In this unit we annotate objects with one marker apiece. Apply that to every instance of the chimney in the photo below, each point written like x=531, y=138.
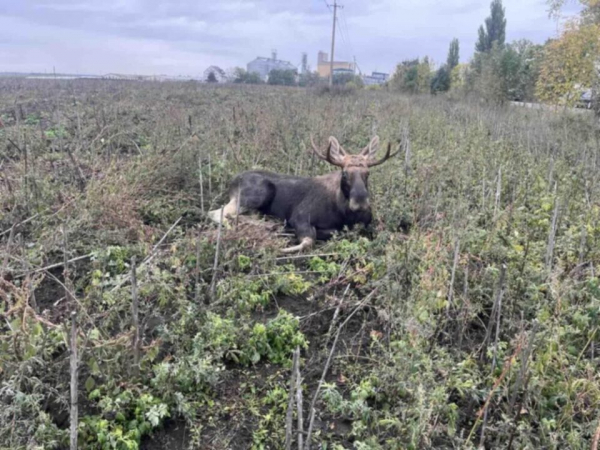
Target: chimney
x=273, y=54
x=323, y=57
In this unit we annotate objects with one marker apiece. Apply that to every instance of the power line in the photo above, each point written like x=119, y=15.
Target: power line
x=345, y=23
x=342, y=33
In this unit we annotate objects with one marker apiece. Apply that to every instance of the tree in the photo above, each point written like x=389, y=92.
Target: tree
x=489, y=80
x=590, y=12
x=309, y=79
x=441, y=80
x=412, y=76
x=282, y=77
x=453, y=55
x=495, y=29
x=458, y=78
x=587, y=29
x=529, y=57
x=399, y=77
x=568, y=66
x=241, y=76
x=345, y=79
x=424, y=76
x=211, y=78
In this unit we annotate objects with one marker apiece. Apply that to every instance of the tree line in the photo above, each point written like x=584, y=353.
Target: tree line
x=290, y=77
x=558, y=72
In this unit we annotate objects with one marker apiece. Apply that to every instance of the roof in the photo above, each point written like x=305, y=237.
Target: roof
x=276, y=61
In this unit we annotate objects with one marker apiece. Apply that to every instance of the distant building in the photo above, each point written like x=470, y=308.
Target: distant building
x=263, y=66
x=324, y=65
x=343, y=71
x=120, y=76
x=304, y=64
x=375, y=78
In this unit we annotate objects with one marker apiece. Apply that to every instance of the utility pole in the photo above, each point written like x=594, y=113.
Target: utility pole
x=335, y=7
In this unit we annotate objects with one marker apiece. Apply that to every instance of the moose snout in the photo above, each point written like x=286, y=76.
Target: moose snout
x=359, y=201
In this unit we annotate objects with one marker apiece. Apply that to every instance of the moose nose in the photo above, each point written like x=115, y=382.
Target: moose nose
x=359, y=201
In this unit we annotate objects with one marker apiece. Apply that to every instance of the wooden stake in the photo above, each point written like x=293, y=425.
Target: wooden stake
x=291, y=397
x=299, y=405
x=74, y=371
x=8, y=247
x=552, y=236
x=136, y=320
x=452, y=277
x=201, y=181
x=213, y=283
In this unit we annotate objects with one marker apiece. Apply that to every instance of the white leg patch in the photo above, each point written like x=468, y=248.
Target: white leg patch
x=215, y=215
x=306, y=243
x=229, y=211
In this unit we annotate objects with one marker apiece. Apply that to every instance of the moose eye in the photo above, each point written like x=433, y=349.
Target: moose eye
x=344, y=175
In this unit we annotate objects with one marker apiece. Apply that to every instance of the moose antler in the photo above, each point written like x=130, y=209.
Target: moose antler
x=387, y=156
x=371, y=147
x=336, y=160
x=316, y=149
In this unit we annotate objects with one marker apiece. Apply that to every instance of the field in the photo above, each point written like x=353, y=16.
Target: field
x=467, y=316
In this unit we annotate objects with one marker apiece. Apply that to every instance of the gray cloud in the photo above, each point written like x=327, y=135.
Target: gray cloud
x=186, y=36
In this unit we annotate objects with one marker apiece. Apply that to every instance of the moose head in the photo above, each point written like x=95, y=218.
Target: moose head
x=354, y=181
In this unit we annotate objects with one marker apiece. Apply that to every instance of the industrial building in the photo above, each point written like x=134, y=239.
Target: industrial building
x=324, y=65
x=263, y=66
x=375, y=78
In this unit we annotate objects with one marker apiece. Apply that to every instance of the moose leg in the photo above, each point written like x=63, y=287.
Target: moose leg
x=230, y=210
x=306, y=235
x=324, y=235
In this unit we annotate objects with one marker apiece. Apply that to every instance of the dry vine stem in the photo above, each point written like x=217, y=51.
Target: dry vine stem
x=507, y=365
x=60, y=264
x=326, y=368
x=151, y=255
x=498, y=309
x=596, y=437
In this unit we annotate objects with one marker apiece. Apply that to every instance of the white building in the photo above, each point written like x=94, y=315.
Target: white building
x=263, y=66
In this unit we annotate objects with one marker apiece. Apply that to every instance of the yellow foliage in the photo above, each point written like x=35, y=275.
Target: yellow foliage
x=458, y=77
x=568, y=65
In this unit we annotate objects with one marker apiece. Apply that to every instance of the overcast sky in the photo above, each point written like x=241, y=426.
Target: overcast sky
x=186, y=36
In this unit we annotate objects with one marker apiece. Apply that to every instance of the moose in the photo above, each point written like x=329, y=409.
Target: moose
x=315, y=207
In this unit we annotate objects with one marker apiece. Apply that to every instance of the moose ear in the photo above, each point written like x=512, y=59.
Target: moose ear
x=370, y=150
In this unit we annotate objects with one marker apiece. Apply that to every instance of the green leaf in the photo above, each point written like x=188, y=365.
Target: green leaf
x=93, y=365
x=90, y=383
x=95, y=394
x=15, y=324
